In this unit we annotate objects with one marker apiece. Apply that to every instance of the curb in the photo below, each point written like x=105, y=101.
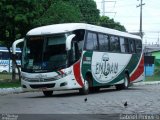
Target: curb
x=146, y=83
x=4, y=91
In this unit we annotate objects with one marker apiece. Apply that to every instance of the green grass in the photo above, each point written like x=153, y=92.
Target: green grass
x=9, y=84
x=6, y=82
x=152, y=78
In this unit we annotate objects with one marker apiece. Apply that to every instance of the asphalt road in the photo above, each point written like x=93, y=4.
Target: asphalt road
x=143, y=99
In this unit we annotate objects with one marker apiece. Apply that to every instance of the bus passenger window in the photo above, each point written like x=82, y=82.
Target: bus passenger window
x=114, y=44
x=103, y=42
x=124, y=45
x=91, y=42
x=138, y=46
x=132, y=45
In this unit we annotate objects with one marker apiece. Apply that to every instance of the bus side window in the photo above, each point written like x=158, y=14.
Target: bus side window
x=132, y=46
x=138, y=46
x=91, y=41
x=114, y=44
x=124, y=45
x=103, y=42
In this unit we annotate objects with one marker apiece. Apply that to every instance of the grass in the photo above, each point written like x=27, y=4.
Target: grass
x=152, y=78
x=6, y=82
x=9, y=84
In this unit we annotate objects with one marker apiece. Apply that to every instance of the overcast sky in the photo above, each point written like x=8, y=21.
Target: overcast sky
x=126, y=12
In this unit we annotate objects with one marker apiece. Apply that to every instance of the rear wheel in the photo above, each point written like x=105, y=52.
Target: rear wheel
x=124, y=85
x=48, y=93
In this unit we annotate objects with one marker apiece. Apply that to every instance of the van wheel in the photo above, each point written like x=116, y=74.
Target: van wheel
x=48, y=93
x=124, y=85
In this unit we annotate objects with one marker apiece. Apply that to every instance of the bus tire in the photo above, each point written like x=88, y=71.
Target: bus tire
x=124, y=85
x=4, y=71
x=85, y=89
x=48, y=93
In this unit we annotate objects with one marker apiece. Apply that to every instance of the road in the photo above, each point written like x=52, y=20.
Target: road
x=143, y=99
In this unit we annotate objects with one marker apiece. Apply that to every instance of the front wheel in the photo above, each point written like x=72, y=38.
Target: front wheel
x=124, y=85
x=48, y=93
x=85, y=89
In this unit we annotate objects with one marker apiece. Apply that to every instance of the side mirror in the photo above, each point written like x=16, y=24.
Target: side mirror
x=15, y=44
x=69, y=41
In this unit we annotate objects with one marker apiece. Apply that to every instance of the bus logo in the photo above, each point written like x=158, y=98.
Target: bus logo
x=106, y=67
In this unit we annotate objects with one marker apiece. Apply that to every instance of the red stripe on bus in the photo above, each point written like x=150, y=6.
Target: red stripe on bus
x=138, y=72
x=77, y=73
x=61, y=71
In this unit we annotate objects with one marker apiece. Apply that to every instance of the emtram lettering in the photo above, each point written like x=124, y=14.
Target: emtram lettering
x=106, y=68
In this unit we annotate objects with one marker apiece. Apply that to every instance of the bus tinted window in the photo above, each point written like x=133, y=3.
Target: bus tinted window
x=91, y=43
x=138, y=46
x=114, y=44
x=124, y=45
x=132, y=45
x=103, y=42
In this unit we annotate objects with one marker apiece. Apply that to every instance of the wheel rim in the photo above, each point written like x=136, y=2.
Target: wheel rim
x=126, y=82
x=86, y=85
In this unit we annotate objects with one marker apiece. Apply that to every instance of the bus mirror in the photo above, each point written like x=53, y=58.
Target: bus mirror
x=15, y=44
x=68, y=41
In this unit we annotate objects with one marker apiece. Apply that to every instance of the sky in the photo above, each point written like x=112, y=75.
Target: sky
x=128, y=14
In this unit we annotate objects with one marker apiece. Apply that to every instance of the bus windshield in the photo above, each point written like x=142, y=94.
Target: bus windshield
x=44, y=53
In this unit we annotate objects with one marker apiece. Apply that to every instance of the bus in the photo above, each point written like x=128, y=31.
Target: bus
x=80, y=56
x=5, y=59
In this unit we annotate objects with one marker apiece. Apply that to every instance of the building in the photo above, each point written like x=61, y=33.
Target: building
x=152, y=60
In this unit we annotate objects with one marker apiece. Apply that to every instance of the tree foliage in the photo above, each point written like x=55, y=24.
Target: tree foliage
x=110, y=23
x=59, y=12
x=17, y=17
x=88, y=10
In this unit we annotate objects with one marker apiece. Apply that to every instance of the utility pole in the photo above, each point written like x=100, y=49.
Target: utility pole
x=140, y=29
x=103, y=7
x=158, y=39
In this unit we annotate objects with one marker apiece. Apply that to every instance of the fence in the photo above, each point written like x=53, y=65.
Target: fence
x=156, y=73
x=7, y=76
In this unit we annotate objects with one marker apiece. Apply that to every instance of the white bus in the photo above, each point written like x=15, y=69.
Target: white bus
x=5, y=59
x=80, y=56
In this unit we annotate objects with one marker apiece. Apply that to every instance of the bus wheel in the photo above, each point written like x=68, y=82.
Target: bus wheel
x=124, y=85
x=85, y=89
x=4, y=71
x=48, y=93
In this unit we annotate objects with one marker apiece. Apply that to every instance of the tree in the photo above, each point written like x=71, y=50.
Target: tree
x=88, y=10
x=16, y=18
x=19, y=16
x=59, y=12
x=110, y=23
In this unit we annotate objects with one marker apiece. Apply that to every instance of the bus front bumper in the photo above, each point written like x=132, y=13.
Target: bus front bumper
x=62, y=84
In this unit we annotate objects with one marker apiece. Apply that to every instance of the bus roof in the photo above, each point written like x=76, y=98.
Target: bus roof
x=68, y=27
